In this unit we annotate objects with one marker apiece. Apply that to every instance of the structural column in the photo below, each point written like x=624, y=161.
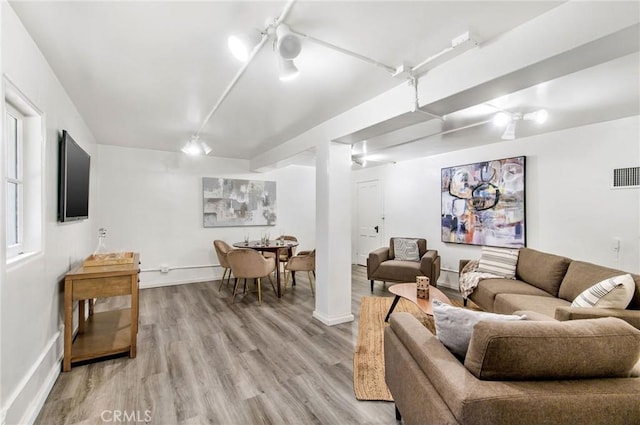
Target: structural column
x=333, y=233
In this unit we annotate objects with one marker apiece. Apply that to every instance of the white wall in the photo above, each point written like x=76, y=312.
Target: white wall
x=31, y=291
x=151, y=202
x=571, y=209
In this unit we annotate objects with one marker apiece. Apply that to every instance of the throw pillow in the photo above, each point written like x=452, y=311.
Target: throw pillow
x=614, y=292
x=498, y=261
x=454, y=325
x=406, y=249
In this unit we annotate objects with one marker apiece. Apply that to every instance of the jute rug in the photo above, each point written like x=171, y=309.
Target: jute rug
x=368, y=358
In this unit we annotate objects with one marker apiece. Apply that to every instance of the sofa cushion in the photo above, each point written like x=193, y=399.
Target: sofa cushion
x=498, y=261
x=614, y=292
x=576, y=313
x=530, y=350
x=582, y=275
x=405, y=249
x=487, y=290
x=454, y=325
x=508, y=303
x=542, y=270
x=398, y=271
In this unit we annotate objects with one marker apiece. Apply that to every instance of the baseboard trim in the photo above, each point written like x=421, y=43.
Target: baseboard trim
x=333, y=320
x=447, y=285
x=148, y=285
x=31, y=412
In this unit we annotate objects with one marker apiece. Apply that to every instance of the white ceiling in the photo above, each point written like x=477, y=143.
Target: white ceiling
x=145, y=74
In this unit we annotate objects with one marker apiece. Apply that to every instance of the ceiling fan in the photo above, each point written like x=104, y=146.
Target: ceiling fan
x=510, y=119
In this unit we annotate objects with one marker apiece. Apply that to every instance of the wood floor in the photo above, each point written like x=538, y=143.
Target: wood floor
x=202, y=360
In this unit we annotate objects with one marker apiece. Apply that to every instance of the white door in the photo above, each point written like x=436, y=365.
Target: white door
x=370, y=219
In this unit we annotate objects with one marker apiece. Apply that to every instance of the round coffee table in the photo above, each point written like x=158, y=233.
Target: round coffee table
x=408, y=291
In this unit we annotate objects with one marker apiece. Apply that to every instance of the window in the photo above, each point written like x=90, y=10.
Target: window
x=14, y=142
x=23, y=161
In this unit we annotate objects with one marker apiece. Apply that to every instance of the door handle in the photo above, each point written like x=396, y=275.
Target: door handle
x=376, y=229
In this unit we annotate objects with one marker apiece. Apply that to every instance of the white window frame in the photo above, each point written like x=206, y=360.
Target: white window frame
x=32, y=163
x=18, y=248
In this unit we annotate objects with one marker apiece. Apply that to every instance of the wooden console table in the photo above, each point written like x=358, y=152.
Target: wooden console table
x=106, y=333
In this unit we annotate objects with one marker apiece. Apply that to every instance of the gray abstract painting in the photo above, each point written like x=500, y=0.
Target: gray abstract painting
x=234, y=202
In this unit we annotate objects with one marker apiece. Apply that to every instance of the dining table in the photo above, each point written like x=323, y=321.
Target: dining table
x=271, y=246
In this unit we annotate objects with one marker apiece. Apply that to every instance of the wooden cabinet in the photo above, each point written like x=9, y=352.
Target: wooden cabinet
x=105, y=333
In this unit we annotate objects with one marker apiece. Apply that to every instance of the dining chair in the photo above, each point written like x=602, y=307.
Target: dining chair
x=250, y=264
x=284, y=252
x=222, y=249
x=304, y=262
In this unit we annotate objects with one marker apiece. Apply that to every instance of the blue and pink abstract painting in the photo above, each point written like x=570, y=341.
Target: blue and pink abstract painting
x=484, y=203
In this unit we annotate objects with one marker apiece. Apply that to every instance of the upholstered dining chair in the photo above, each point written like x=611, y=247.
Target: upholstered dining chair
x=306, y=262
x=250, y=264
x=222, y=249
x=284, y=252
x=402, y=261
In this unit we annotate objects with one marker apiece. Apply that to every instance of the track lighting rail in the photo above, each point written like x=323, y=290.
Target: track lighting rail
x=459, y=44
x=342, y=50
x=241, y=71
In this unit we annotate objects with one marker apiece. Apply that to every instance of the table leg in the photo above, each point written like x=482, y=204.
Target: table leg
x=68, y=323
x=278, y=272
x=393, y=306
x=81, y=317
x=134, y=317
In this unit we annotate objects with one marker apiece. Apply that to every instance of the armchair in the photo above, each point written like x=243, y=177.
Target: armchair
x=383, y=265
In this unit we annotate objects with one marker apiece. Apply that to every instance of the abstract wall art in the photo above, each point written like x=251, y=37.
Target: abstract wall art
x=484, y=203
x=234, y=202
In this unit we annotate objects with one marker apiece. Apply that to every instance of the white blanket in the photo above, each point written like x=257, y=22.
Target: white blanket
x=469, y=278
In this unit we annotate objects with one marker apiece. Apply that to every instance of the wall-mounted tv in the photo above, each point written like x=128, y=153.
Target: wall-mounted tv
x=73, y=180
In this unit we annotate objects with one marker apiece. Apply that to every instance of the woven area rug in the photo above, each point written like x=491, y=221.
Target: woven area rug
x=368, y=358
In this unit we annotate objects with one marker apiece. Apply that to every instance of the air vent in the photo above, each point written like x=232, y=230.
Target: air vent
x=626, y=177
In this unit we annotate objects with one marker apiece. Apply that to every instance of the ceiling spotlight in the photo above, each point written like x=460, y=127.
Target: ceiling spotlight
x=501, y=119
x=540, y=116
x=242, y=45
x=196, y=147
x=510, y=131
x=288, y=44
x=288, y=70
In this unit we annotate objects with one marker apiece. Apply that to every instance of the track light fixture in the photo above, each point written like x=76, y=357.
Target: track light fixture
x=196, y=147
x=241, y=45
x=540, y=116
x=288, y=70
x=509, y=119
x=288, y=44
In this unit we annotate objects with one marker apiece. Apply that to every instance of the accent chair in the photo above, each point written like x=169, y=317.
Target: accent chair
x=402, y=261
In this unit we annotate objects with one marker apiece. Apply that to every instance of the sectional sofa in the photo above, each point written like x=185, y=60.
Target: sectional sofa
x=547, y=284
x=516, y=373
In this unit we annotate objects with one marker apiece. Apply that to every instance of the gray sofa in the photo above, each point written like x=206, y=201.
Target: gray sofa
x=517, y=372
x=547, y=284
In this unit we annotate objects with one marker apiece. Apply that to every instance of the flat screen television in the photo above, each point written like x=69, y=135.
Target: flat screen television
x=73, y=183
